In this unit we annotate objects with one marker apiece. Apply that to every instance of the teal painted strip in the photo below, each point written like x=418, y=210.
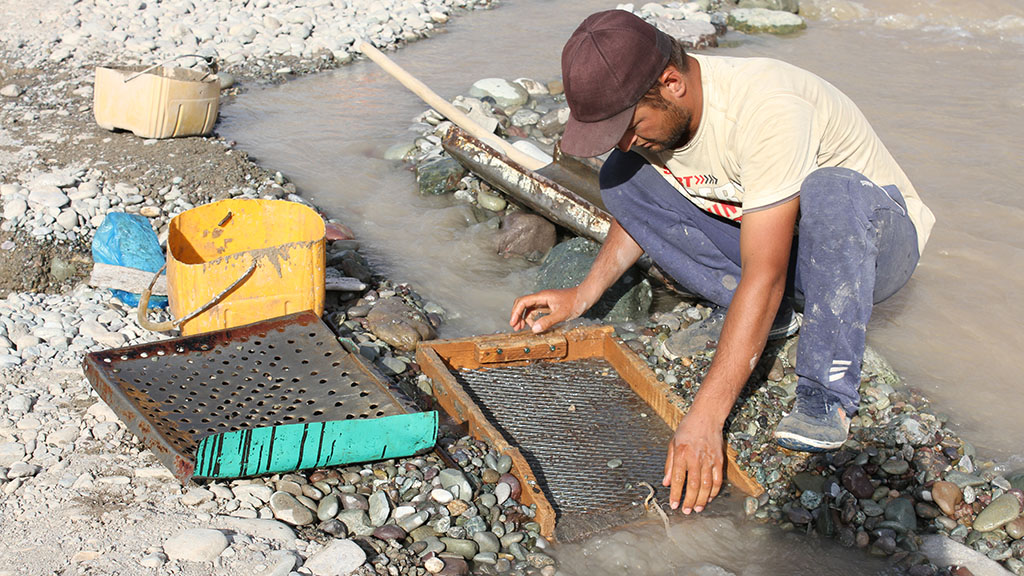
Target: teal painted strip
x=300, y=446
x=258, y=458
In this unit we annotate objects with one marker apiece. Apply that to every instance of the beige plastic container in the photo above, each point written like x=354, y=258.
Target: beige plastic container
x=161, y=103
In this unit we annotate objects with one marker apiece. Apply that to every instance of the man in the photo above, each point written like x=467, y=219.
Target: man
x=739, y=177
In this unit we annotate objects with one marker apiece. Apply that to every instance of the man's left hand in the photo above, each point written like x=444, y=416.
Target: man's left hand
x=694, y=463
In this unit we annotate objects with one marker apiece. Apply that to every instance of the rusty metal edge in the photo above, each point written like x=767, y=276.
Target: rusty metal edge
x=179, y=464
x=550, y=199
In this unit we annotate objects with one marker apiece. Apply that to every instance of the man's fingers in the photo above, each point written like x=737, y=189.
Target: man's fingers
x=678, y=477
x=524, y=308
x=694, y=465
x=716, y=478
x=544, y=322
x=667, y=480
x=520, y=308
x=706, y=485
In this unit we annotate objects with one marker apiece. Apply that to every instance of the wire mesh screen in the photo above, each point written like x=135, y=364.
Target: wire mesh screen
x=588, y=437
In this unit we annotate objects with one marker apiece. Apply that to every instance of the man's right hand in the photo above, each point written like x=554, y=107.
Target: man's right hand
x=544, y=309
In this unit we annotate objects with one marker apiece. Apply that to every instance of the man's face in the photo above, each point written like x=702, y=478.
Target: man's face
x=657, y=127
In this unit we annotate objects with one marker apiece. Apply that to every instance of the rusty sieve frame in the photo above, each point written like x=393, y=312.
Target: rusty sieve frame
x=563, y=405
x=287, y=370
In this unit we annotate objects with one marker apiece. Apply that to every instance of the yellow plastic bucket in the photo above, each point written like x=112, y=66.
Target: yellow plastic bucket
x=252, y=259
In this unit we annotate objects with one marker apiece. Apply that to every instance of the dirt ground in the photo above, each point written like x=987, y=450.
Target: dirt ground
x=51, y=125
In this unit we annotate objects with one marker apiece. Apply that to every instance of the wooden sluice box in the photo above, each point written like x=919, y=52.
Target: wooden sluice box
x=584, y=419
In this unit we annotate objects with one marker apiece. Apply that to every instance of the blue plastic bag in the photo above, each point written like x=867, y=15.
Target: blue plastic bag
x=128, y=240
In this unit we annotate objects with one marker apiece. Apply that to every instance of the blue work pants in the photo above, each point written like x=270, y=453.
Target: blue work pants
x=856, y=246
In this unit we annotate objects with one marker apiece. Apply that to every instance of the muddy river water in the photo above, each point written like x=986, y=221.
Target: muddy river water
x=942, y=82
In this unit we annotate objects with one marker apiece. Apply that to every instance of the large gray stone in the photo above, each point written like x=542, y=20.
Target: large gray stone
x=784, y=5
x=380, y=508
x=691, y=33
x=439, y=176
x=50, y=196
x=11, y=452
x=455, y=482
x=338, y=558
x=506, y=95
x=399, y=324
x=901, y=510
x=287, y=509
x=262, y=528
x=629, y=299
x=356, y=521
x=943, y=551
x=999, y=512
x=759, y=20
x=528, y=235
x=196, y=545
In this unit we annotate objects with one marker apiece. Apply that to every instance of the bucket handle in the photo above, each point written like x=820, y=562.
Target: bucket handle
x=142, y=313
x=211, y=65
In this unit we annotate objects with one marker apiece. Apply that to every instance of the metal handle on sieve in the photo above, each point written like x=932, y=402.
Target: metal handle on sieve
x=142, y=313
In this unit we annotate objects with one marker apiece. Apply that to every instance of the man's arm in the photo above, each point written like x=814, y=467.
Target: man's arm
x=618, y=253
x=695, y=455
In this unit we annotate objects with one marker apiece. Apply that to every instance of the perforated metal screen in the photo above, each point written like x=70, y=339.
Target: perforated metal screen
x=285, y=371
x=570, y=420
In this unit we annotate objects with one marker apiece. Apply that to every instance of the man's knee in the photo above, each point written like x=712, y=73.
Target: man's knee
x=823, y=182
x=825, y=195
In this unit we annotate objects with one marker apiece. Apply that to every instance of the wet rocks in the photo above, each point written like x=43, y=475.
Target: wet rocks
x=760, y=20
x=900, y=475
x=856, y=480
x=439, y=176
x=505, y=94
x=527, y=235
x=998, y=513
x=566, y=265
x=785, y=5
x=399, y=324
x=948, y=496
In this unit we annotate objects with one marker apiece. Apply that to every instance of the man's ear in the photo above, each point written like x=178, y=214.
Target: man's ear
x=673, y=82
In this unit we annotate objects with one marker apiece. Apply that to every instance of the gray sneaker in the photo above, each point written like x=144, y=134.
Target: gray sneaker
x=817, y=423
x=786, y=325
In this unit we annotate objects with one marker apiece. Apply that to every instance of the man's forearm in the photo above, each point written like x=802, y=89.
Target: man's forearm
x=743, y=338
x=617, y=254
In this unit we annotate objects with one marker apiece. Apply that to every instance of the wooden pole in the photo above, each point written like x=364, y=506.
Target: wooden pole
x=446, y=109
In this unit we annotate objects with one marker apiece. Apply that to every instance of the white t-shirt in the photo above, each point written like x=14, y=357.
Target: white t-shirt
x=766, y=125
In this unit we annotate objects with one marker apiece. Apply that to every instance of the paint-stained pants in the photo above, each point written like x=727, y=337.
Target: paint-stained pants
x=856, y=246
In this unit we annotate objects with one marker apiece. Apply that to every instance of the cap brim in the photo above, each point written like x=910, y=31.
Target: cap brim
x=588, y=139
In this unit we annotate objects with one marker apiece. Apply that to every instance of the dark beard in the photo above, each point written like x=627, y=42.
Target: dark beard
x=680, y=121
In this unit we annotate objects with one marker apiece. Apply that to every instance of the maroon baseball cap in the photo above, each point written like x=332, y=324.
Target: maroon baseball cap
x=608, y=64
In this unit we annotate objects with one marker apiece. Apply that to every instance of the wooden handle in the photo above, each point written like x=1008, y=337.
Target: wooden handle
x=521, y=346
x=446, y=109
